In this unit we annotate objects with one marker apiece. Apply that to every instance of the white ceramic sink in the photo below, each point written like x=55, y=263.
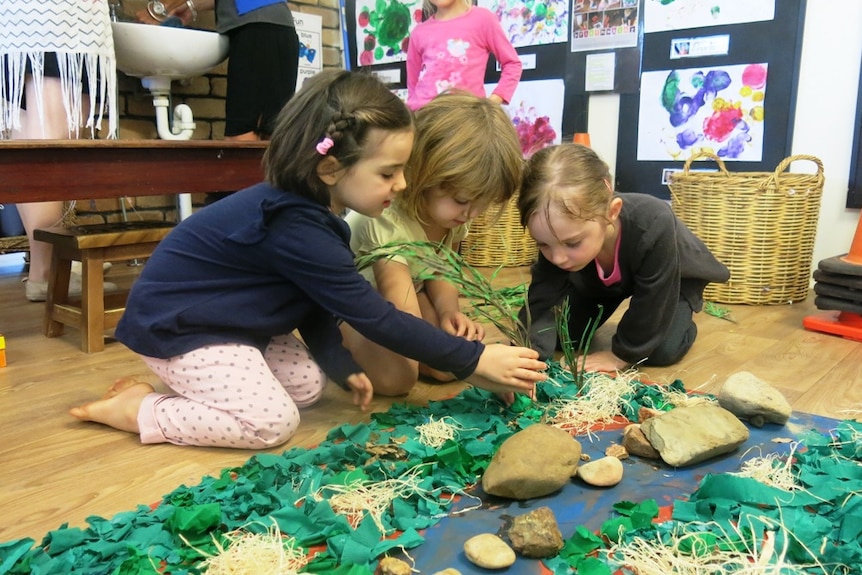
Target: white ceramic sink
x=150, y=51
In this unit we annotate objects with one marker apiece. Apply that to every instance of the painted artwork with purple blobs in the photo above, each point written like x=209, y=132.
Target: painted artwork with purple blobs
x=383, y=28
x=718, y=110
x=531, y=22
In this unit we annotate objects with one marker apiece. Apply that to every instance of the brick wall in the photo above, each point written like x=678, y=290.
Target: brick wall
x=205, y=95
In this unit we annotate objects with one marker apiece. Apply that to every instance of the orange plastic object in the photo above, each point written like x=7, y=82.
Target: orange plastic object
x=2, y=351
x=843, y=323
x=855, y=255
x=582, y=138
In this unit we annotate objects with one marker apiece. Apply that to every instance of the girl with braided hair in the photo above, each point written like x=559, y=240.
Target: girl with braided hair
x=215, y=311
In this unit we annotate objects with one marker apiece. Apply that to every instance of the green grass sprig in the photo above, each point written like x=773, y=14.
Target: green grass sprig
x=573, y=355
x=717, y=311
x=438, y=262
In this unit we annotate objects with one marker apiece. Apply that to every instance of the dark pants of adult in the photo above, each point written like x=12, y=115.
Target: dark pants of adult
x=261, y=77
x=263, y=62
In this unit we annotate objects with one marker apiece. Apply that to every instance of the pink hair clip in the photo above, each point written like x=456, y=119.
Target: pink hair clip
x=324, y=145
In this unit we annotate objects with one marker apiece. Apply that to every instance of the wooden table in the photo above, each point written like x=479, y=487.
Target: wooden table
x=43, y=170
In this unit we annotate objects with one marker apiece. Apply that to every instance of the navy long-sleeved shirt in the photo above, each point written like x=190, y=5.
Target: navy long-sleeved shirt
x=263, y=262
x=660, y=260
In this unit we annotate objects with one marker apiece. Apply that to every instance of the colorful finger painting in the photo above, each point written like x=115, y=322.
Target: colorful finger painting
x=720, y=110
x=531, y=22
x=661, y=15
x=383, y=28
x=536, y=110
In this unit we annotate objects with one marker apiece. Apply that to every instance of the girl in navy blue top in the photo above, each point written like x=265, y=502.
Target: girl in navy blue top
x=216, y=306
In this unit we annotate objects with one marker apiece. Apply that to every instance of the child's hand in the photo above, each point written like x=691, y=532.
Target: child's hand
x=506, y=369
x=604, y=361
x=363, y=391
x=456, y=323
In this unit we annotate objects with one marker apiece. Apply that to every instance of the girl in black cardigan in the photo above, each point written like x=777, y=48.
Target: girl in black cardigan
x=598, y=249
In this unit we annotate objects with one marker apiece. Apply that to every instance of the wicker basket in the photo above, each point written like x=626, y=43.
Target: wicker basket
x=761, y=225
x=497, y=239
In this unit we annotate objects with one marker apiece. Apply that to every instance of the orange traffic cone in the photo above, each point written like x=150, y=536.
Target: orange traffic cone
x=582, y=138
x=855, y=254
x=839, y=289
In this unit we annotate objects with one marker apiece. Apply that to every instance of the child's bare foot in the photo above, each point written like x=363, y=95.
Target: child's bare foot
x=121, y=384
x=118, y=409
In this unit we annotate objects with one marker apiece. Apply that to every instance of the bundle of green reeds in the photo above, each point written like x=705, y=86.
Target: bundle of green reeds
x=438, y=262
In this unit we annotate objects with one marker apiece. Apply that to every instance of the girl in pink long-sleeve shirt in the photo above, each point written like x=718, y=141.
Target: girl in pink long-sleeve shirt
x=450, y=50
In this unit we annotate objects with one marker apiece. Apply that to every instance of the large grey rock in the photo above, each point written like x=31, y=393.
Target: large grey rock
x=691, y=434
x=749, y=397
x=534, y=462
x=536, y=534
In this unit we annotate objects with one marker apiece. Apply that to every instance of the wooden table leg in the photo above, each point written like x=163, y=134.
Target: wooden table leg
x=92, y=301
x=58, y=291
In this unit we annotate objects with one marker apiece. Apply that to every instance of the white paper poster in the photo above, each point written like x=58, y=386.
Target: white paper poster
x=309, y=28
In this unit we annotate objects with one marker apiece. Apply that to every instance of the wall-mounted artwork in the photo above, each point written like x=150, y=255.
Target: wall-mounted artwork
x=601, y=24
x=718, y=109
x=530, y=22
x=309, y=28
x=382, y=29
x=662, y=15
x=536, y=110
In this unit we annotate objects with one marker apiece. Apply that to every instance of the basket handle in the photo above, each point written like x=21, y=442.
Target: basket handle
x=704, y=154
x=785, y=163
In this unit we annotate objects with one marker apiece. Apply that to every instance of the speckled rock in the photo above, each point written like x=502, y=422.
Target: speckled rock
x=534, y=462
x=536, y=534
x=489, y=551
x=393, y=566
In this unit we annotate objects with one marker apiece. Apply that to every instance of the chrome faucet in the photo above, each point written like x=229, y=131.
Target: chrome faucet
x=118, y=11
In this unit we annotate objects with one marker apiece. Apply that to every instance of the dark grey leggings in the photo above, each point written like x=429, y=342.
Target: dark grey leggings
x=678, y=340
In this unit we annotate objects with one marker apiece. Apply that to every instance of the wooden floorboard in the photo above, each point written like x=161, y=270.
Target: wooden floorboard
x=57, y=470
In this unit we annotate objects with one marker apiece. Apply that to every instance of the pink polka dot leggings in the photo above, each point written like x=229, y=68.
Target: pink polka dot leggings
x=232, y=395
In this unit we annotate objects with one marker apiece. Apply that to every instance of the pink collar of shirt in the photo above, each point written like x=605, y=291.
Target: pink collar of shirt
x=615, y=275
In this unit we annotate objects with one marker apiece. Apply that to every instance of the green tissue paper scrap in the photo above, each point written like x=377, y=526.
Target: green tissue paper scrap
x=290, y=490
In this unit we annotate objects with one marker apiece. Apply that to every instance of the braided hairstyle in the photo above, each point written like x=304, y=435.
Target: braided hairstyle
x=331, y=115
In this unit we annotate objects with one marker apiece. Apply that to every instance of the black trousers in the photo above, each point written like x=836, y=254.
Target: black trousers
x=678, y=340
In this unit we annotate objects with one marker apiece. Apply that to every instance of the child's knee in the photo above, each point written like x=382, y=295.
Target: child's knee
x=396, y=382
x=271, y=426
x=312, y=390
x=309, y=395
x=671, y=352
x=269, y=433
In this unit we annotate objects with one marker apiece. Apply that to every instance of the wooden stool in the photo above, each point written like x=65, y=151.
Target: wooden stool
x=92, y=245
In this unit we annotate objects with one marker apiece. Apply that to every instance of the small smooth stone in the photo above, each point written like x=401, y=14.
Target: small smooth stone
x=489, y=551
x=603, y=472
